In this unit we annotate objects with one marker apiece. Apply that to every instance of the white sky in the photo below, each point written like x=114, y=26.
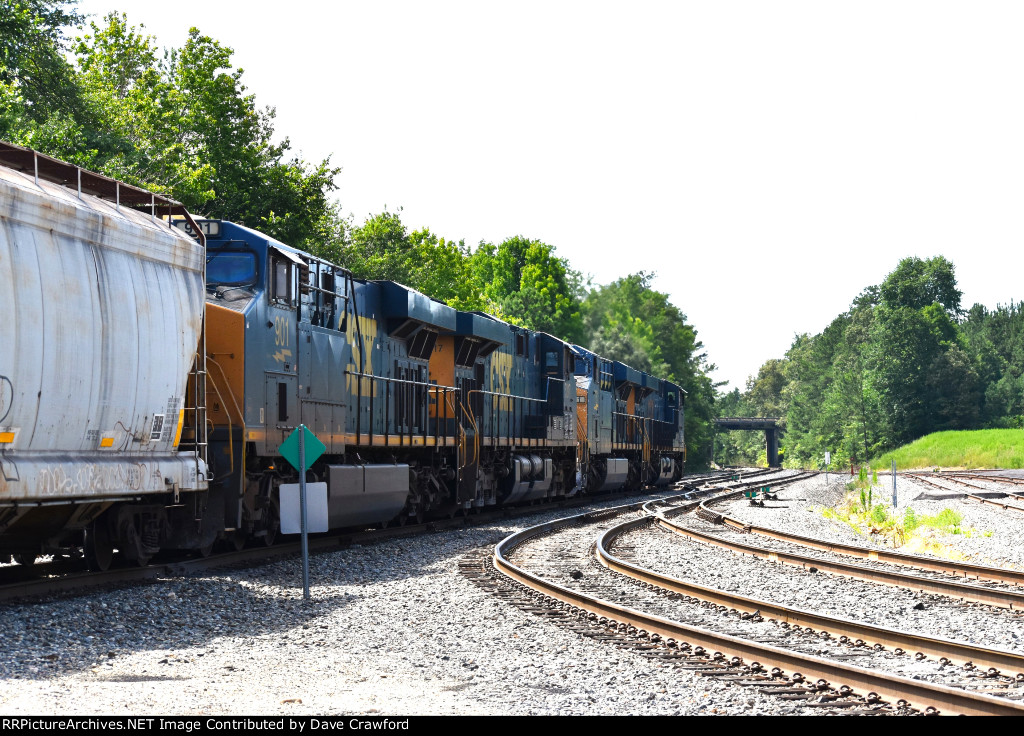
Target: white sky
x=768, y=160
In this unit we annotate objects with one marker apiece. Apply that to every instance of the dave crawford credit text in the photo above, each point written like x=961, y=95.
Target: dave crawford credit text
x=188, y=725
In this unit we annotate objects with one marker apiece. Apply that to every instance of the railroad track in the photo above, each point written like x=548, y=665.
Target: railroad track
x=1001, y=597
x=842, y=629
x=65, y=577
x=587, y=603
x=972, y=496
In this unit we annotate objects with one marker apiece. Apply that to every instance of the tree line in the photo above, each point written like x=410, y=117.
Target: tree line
x=179, y=121
x=905, y=360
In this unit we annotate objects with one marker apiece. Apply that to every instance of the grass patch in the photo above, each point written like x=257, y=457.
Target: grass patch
x=918, y=533
x=980, y=448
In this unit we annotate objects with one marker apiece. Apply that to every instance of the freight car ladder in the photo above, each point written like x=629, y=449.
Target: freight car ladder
x=195, y=392
x=196, y=438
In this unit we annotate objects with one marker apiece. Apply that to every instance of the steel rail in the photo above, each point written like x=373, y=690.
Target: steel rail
x=971, y=496
x=954, y=651
x=994, y=502
x=976, y=593
x=929, y=482
x=918, y=694
x=949, y=567
x=982, y=476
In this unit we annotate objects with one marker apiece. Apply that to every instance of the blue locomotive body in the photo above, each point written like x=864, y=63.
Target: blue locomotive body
x=423, y=409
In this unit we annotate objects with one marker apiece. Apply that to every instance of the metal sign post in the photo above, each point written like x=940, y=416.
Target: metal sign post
x=894, y=484
x=302, y=512
x=293, y=450
x=828, y=461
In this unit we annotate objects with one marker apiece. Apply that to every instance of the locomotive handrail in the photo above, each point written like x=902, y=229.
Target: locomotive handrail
x=508, y=424
x=430, y=387
x=476, y=432
x=438, y=386
x=460, y=430
x=504, y=396
x=231, y=433
x=547, y=386
x=640, y=420
x=234, y=399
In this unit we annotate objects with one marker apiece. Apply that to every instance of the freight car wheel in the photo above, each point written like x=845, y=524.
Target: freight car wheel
x=98, y=547
x=24, y=558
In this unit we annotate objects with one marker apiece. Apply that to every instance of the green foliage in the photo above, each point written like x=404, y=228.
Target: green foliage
x=879, y=514
x=528, y=283
x=39, y=94
x=899, y=364
x=910, y=520
x=947, y=520
x=918, y=284
x=180, y=123
x=867, y=518
x=383, y=248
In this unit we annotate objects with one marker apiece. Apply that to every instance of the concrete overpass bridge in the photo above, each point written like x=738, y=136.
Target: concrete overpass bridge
x=772, y=426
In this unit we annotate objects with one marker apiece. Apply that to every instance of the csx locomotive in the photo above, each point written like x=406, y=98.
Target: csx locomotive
x=151, y=365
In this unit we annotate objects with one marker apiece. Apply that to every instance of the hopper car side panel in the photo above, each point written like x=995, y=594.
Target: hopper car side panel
x=94, y=358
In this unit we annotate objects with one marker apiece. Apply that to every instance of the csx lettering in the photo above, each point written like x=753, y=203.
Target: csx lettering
x=362, y=334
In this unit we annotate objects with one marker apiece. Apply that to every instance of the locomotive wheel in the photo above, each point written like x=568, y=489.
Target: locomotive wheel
x=206, y=551
x=98, y=547
x=273, y=525
x=24, y=558
x=236, y=540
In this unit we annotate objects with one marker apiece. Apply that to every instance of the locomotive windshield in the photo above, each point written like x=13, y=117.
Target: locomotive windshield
x=234, y=268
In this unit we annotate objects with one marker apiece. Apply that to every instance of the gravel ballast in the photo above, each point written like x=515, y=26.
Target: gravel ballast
x=393, y=628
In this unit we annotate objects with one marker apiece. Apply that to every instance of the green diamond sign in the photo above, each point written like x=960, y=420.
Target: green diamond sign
x=290, y=447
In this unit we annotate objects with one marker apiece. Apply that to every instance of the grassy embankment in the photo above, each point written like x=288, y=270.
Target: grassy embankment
x=980, y=448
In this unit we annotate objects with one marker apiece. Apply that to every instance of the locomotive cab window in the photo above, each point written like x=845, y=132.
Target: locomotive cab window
x=281, y=275
x=230, y=268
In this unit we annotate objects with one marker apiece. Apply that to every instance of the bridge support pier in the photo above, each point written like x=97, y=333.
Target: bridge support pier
x=771, y=437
